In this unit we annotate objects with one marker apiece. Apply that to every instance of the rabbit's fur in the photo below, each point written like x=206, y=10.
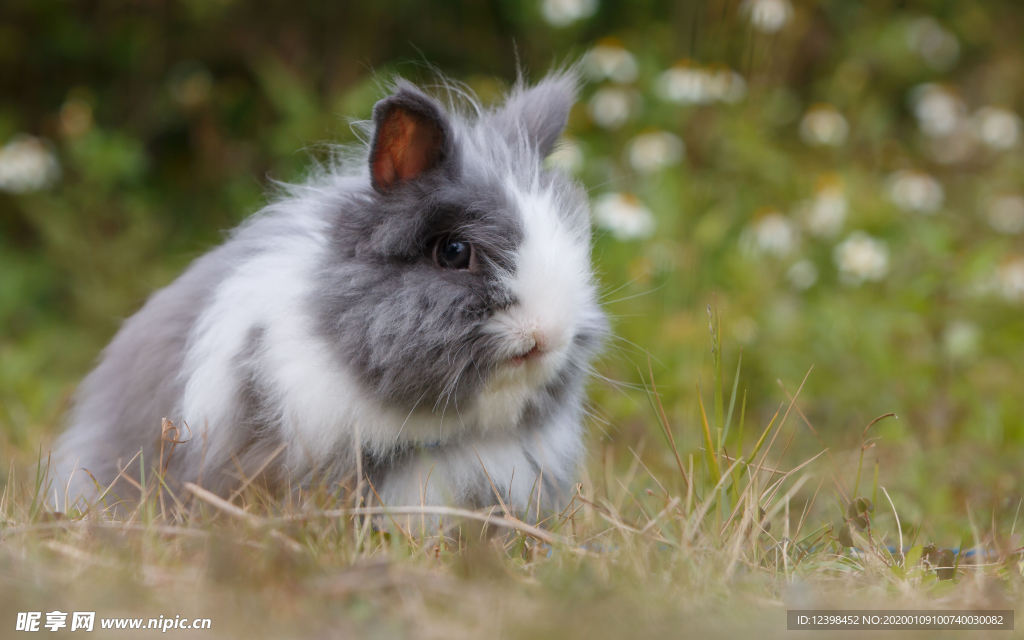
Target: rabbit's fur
x=325, y=331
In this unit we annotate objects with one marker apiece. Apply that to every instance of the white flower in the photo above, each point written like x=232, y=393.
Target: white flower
x=27, y=164
x=942, y=116
x=1006, y=214
x=915, y=191
x=684, y=84
x=611, y=107
x=771, y=233
x=937, y=46
x=624, y=215
x=960, y=339
x=650, y=152
x=768, y=16
x=823, y=125
x=562, y=13
x=937, y=109
x=826, y=214
x=997, y=128
x=802, y=275
x=861, y=258
x=610, y=61
x=1010, y=280
x=567, y=156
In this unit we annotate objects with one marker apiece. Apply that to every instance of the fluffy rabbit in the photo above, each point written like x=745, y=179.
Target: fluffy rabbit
x=429, y=309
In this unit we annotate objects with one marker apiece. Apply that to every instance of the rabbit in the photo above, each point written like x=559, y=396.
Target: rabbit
x=421, y=313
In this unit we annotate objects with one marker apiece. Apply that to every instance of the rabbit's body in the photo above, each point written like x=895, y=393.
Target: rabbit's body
x=431, y=317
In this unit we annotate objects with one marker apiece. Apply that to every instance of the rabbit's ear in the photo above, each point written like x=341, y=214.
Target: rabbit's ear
x=541, y=111
x=411, y=137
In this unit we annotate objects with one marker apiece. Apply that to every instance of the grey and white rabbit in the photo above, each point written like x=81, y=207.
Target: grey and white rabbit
x=401, y=314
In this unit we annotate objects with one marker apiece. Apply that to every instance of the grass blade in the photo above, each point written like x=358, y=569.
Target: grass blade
x=732, y=397
x=659, y=413
x=709, y=447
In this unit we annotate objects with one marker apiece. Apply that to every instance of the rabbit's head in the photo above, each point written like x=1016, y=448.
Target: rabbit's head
x=460, y=277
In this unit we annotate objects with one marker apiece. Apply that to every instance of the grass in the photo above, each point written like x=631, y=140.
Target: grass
x=716, y=542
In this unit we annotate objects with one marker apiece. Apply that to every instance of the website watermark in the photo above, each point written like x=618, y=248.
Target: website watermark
x=899, y=620
x=86, y=621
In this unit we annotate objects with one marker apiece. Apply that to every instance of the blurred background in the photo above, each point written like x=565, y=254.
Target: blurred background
x=842, y=181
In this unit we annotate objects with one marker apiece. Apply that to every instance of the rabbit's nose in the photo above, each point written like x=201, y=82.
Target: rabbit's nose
x=535, y=348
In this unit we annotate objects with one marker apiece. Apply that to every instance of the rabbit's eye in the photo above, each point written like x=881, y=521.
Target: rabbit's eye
x=453, y=254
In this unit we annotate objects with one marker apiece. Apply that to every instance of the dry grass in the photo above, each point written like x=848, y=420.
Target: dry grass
x=717, y=543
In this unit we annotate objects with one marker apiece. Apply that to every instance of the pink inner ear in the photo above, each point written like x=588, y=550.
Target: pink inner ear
x=407, y=145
